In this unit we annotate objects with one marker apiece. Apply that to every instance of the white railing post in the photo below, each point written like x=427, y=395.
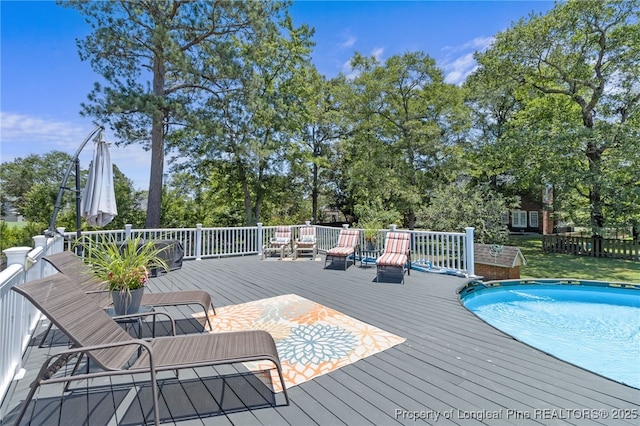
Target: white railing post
x=127, y=231
x=40, y=244
x=17, y=255
x=260, y=239
x=393, y=227
x=469, y=255
x=14, y=327
x=59, y=242
x=198, y=241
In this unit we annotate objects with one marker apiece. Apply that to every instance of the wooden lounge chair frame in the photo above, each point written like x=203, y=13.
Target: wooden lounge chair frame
x=74, y=267
x=94, y=334
x=306, y=242
x=280, y=243
x=348, y=242
x=396, y=255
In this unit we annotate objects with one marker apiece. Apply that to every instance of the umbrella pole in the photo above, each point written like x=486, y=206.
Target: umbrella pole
x=75, y=161
x=78, y=197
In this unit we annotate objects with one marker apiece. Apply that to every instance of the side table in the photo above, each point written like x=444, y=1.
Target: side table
x=133, y=319
x=368, y=257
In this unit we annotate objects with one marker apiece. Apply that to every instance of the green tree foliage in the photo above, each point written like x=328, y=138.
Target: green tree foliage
x=568, y=110
x=18, y=177
x=319, y=130
x=158, y=58
x=14, y=236
x=32, y=184
x=246, y=129
x=405, y=123
x=455, y=207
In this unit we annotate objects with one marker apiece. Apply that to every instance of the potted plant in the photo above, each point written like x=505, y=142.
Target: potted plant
x=124, y=267
x=371, y=229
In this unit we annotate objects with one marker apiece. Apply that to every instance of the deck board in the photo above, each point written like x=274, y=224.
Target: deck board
x=451, y=363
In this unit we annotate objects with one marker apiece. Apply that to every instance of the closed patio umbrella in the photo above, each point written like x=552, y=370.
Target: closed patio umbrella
x=98, y=205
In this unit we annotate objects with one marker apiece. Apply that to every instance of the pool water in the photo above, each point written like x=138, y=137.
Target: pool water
x=594, y=327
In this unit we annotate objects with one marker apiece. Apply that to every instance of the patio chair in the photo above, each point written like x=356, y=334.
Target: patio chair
x=396, y=255
x=74, y=267
x=306, y=242
x=279, y=243
x=96, y=335
x=347, y=244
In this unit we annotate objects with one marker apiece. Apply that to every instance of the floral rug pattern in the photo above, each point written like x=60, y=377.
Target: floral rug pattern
x=311, y=339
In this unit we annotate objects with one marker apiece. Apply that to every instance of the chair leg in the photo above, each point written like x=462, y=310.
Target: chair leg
x=155, y=398
x=27, y=400
x=46, y=333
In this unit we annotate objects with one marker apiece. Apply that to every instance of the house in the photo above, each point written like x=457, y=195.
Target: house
x=527, y=218
x=496, y=262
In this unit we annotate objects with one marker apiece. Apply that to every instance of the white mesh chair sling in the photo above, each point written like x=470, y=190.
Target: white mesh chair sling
x=93, y=333
x=279, y=243
x=347, y=243
x=306, y=242
x=397, y=254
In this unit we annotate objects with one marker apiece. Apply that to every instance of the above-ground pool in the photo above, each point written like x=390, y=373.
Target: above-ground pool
x=591, y=324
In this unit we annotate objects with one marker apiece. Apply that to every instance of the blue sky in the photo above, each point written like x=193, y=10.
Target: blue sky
x=43, y=81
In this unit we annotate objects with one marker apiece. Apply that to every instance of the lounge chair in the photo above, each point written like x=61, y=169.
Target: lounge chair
x=94, y=334
x=306, y=242
x=396, y=254
x=279, y=243
x=347, y=243
x=74, y=267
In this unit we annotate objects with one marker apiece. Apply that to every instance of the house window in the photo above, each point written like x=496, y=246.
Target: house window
x=519, y=219
x=533, y=219
x=505, y=218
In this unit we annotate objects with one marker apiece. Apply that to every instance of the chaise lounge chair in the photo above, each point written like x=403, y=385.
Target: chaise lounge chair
x=280, y=243
x=74, y=267
x=396, y=254
x=94, y=334
x=347, y=243
x=306, y=242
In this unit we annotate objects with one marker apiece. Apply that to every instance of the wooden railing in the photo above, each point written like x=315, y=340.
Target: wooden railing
x=591, y=246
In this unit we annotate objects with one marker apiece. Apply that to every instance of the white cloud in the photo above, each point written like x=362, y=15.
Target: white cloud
x=377, y=53
x=20, y=128
x=459, y=61
x=458, y=70
x=349, y=40
x=22, y=135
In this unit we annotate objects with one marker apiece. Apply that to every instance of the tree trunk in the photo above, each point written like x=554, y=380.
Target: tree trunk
x=314, y=196
x=154, y=202
x=596, y=204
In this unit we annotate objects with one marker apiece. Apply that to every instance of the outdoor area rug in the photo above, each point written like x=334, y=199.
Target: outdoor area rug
x=312, y=339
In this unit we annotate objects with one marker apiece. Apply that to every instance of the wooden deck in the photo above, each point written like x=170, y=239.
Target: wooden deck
x=453, y=368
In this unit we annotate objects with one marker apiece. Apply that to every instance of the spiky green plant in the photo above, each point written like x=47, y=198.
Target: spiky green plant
x=123, y=266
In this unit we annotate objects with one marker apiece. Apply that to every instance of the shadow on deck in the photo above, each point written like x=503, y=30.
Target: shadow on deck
x=452, y=369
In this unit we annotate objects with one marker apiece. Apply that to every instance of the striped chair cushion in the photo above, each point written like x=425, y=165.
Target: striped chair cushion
x=392, y=259
x=307, y=236
x=396, y=248
x=282, y=236
x=341, y=251
x=347, y=243
x=348, y=238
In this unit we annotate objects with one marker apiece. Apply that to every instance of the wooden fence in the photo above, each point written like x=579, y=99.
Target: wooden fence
x=592, y=246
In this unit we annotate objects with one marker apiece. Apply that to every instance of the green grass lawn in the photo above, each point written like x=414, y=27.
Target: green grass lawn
x=554, y=265
x=16, y=224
